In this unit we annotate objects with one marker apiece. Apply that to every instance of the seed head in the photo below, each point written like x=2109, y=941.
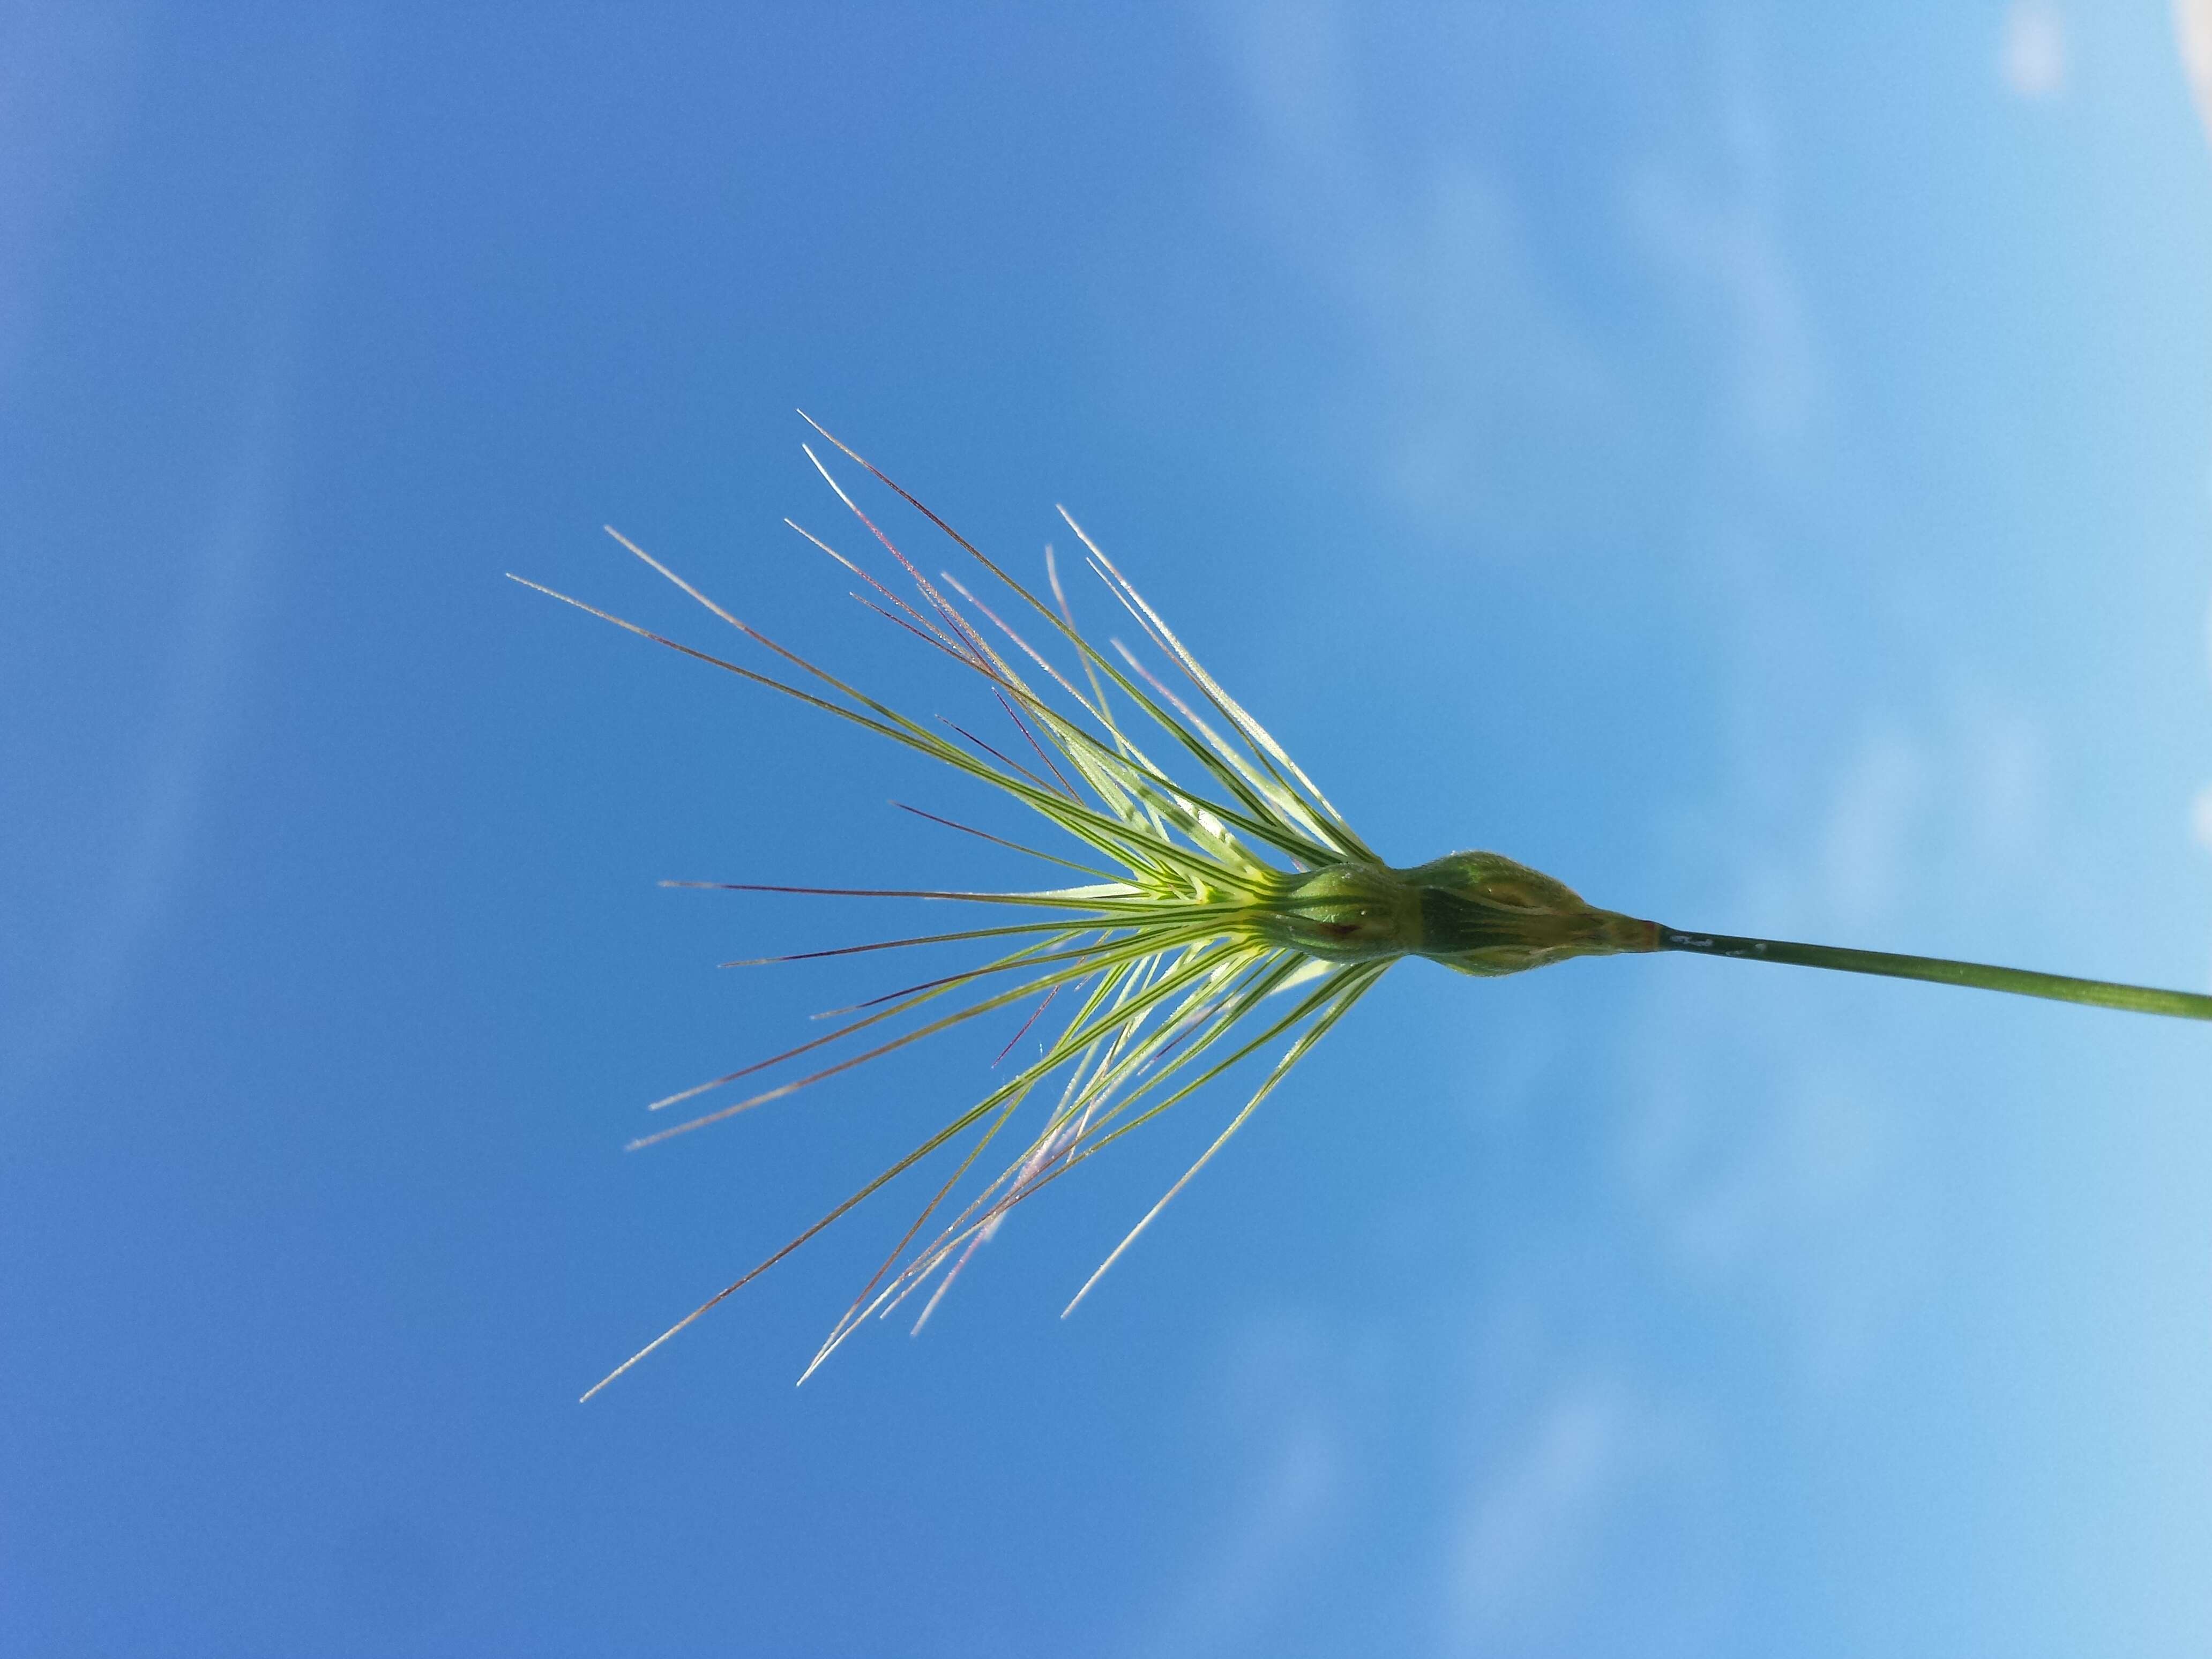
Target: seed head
x=1480, y=913
x=1227, y=913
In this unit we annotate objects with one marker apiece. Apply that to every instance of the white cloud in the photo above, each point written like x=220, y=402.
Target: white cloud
x=84, y=962
x=65, y=76
x=1488, y=370
x=2000, y=777
x=77, y=964
x=1773, y=1166
x=2200, y=818
x=1591, y=1522
x=1723, y=244
x=1774, y=1156
x=2031, y=54
x=1475, y=368
x=1240, y=1587
x=1864, y=845
x=1526, y=1537
x=1278, y=1395
x=1289, y=57
x=2192, y=28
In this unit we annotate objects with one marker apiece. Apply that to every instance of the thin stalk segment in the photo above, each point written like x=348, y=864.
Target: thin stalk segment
x=2019, y=982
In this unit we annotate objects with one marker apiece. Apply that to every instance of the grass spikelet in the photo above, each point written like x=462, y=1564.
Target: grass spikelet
x=1225, y=912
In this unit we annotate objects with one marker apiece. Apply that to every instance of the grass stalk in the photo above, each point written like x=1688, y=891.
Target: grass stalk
x=1942, y=970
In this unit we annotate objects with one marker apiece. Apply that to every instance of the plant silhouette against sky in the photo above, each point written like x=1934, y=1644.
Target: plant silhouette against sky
x=1196, y=925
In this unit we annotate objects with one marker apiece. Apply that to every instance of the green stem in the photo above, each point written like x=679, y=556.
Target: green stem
x=2060, y=988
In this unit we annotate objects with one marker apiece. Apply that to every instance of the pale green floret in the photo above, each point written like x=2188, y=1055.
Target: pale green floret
x=1220, y=920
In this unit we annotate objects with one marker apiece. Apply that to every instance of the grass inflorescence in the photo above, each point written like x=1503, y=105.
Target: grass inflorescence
x=1224, y=911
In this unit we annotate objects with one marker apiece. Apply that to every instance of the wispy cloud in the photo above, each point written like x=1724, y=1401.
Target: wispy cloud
x=1864, y=844
x=2200, y=818
x=65, y=76
x=1475, y=367
x=1776, y=1173
x=80, y=973
x=1586, y=1524
x=1709, y=217
x=2031, y=54
x=1524, y=1541
x=67, y=972
x=1481, y=360
x=2192, y=28
x=1720, y=247
x=1278, y=1390
x=1776, y=1159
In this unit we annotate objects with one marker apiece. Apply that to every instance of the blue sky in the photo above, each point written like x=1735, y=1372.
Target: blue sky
x=1753, y=464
